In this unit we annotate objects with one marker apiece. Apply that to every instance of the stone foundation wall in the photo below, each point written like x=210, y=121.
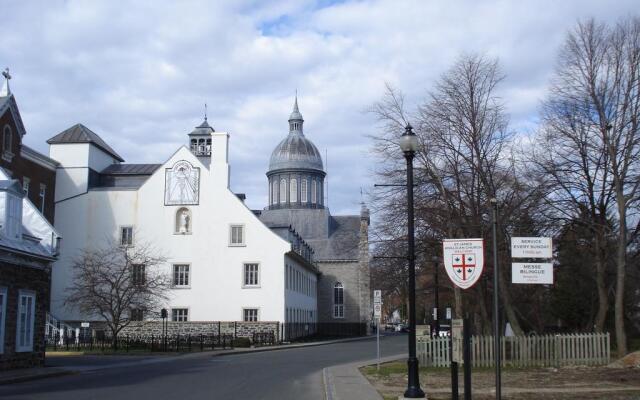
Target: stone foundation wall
x=15, y=278
x=235, y=328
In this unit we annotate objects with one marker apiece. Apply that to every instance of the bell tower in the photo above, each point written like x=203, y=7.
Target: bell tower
x=200, y=138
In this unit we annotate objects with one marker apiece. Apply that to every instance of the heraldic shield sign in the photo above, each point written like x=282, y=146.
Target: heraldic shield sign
x=463, y=260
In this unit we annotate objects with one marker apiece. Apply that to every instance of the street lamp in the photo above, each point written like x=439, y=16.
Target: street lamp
x=409, y=145
x=436, y=314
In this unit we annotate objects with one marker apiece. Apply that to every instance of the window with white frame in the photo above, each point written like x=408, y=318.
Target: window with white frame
x=313, y=192
x=250, y=314
x=181, y=275
x=126, y=235
x=43, y=192
x=236, y=235
x=319, y=183
x=25, y=185
x=303, y=190
x=293, y=190
x=283, y=190
x=3, y=313
x=251, y=274
x=138, y=274
x=26, y=317
x=338, y=300
x=179, y=314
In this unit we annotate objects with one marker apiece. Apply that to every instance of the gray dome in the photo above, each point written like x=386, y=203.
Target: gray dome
x=295, y=152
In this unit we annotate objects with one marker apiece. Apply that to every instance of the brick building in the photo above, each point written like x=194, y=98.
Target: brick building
x=36, y=172
x=28, y=241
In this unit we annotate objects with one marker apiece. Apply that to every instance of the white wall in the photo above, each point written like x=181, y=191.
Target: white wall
x=300, y=295
x=216, y=272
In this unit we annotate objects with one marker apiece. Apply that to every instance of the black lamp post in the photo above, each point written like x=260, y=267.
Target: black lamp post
x=436, y=314
x=409, y=145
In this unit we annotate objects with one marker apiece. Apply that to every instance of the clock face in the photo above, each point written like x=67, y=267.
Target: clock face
x=182, y=183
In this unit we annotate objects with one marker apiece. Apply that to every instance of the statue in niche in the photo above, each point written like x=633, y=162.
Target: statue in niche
x=184, y=221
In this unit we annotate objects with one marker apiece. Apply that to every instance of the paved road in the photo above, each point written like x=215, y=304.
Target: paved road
x=285, y=374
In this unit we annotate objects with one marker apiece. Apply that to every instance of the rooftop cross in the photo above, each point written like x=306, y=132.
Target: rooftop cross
x=5, y=91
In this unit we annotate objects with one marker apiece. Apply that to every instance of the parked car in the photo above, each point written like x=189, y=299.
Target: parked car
x=401, y=328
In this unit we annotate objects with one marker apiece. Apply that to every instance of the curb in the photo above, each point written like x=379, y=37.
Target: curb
x=26, y=378
x=290, y=346
x=351, y=372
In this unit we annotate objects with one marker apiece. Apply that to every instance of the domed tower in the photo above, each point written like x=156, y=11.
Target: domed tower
x=296, y=175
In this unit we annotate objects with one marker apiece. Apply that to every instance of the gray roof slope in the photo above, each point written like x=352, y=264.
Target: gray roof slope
x=81, y=134
x=122, y=176
x=29, y=243
x=343, y=242
x=130, y=169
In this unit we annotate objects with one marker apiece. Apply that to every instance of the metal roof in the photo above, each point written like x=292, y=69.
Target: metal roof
x=295, y=152
x=130, y=169
x=81, y=134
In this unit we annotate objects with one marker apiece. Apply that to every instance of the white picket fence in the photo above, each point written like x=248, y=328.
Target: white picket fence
x=523, y=351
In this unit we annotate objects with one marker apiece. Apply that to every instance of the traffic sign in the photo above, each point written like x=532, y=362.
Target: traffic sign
x=377, y=310
x=463, y=260
x=377, y=296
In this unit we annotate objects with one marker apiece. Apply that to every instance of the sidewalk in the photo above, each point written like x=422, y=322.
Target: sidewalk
x=27, y=374
x=342, y=382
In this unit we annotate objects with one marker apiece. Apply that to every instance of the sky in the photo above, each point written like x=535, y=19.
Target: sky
x=138, y=73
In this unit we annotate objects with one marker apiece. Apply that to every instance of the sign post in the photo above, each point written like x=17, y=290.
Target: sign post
x=531, y=247
x=463, y=260
x=454, y=357
x=532, y=272
x=377, y=314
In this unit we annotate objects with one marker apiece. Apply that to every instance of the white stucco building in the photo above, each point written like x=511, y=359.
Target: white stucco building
x=225, y=264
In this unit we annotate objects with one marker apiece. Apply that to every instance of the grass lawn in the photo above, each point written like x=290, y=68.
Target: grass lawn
x=567, y=383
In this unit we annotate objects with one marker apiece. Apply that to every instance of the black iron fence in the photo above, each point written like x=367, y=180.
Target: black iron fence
x=293, y=331
x=264, y=339
x=166, y=343
x=99, y=340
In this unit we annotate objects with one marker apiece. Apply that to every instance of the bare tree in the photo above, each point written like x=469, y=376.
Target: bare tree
x=464, y=160
x=599, y=75
x=115, y=281
x=573, y=166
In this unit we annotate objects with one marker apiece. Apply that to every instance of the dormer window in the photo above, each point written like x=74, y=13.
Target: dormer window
x=11, y=194
x=14, y=217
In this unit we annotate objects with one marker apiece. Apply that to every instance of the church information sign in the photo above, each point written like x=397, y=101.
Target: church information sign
x=531, y=247
x=533, y=273
x=463, y=260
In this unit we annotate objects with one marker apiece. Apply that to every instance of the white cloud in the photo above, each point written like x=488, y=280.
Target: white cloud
x=138, y=73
